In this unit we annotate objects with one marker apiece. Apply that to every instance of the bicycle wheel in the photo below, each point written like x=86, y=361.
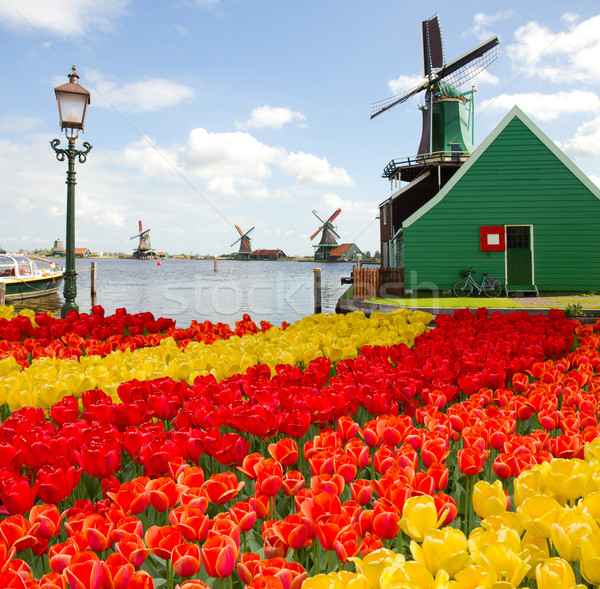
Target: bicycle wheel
x=493, y=288
x=463, y=288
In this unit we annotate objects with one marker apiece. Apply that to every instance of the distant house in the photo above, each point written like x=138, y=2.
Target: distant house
x=268, y=255
x=82, y=252
x=346, y=252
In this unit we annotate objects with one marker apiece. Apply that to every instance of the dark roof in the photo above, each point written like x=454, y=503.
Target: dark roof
x=266, y=252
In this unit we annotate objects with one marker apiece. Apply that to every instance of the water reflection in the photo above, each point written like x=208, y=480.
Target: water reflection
x=187, y=290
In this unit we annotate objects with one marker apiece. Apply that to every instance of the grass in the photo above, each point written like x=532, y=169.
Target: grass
x=450, y=302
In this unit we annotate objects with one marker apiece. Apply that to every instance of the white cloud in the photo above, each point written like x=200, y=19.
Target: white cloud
x=585, y=143
x=404, y=83
x=270, y=116
x=595, y=179
x=354, y=207
x=137, y=96
x=568, y=56
x=546, y=107
x=485, y=77
x=482, y=23
x=309, y=168
x=20, y=124
x=64, y=18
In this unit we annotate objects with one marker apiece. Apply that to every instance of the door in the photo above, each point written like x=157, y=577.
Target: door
x=519, y=258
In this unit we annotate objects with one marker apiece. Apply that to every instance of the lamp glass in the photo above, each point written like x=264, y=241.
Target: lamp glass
x=71, y=109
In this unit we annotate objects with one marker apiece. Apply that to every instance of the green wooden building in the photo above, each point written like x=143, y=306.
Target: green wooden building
x=517, y=208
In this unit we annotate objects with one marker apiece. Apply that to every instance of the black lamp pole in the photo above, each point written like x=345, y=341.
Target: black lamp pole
x=72, y=106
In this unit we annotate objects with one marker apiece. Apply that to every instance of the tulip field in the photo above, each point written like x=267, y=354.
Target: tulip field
x=341, y=451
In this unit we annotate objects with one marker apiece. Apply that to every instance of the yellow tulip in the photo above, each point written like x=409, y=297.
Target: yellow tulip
x=591, y=451
x=538, y=514
x=508, y=519
x=528, y=484
x=442, y=581
x=350, y=580
x=322, y=582
x=538, y=550
x=556, y=573
x=590, y=558
x=419, y=516
x=444, y=549
x=406, y=575
x=571, y=526
x=373, y=565
x=505, y=564
x=489, y=499
x=591, y=504
x=568, y=479
x=475, y=577
x=480, y=538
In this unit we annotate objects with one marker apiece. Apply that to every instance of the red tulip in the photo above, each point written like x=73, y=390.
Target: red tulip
x=161, y=540
x=48, y=518
x=17, y=495
x=470, y=461
x=221, y=488
x=361, y=491
x=17, y=533
x=243, y=515
x=186, y=559
x=84, y=571
x=132, y=547
x=293, y=531
x=292, y=482
x=97, y=530
x=269, y=474
x=119, y=570
x=163, y=492
x=191, y=521
x=219, y=555
x=285, y=451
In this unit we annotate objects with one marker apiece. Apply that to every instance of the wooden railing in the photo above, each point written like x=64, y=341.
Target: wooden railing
x=371, y=282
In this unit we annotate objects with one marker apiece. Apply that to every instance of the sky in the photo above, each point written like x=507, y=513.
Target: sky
x=206, y=114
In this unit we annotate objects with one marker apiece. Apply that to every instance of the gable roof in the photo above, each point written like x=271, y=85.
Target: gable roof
x=515, y=112
x=266, y=252
x=340, y=249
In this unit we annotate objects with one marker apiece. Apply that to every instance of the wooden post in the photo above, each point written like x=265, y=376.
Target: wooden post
x=358, y=260
x=2, y=294
x=317, y=272
x=215, y=263
x=94, y=279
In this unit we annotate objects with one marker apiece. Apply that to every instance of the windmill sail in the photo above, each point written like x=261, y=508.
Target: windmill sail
x=433, y=50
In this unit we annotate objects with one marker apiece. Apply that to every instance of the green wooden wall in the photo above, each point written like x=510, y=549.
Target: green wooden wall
x=516, y=180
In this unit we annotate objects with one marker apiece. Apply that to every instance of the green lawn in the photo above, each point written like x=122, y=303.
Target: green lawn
x=450, y=302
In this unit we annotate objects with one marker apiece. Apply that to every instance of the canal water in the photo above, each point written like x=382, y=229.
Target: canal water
x=185, y=290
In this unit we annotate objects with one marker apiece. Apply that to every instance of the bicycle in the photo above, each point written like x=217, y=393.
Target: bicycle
x=490, y=286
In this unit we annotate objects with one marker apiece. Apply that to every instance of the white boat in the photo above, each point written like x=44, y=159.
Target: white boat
x=26, y=276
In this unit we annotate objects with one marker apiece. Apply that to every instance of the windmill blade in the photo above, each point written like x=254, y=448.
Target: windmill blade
x=238, y=239
x=144, y=232
x=138, y=235
x=314, y=212
x=468, y=65
x=382, y=105
x=334, y=216
x=317, y=232
x=239, y=230
x=334, y=232
x=433, y=49
x=246, y=244
x=140, y=225
x=247, y=232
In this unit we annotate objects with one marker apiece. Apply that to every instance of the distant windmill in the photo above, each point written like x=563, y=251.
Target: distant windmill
x=444, y=114
x=144, y=249
x=328, y=241
x=245, y=250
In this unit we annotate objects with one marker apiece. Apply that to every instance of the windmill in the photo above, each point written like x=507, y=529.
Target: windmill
x=445, y=126
x=144, y=249
x=245, y=250
x=328, y=242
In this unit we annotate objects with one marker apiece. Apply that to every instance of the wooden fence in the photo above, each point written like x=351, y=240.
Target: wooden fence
x=377, y=282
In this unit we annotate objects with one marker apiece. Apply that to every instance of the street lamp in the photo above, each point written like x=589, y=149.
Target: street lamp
x=73, y=101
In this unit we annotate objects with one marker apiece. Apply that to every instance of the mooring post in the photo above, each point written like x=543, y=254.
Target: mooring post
x=317, y=272
x=215, y=263
x=2, y=294
x=94, y=280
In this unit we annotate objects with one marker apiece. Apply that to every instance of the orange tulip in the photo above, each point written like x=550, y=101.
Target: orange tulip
x=162, y=540
x=132, y=547
x=221, y=488
x=49, y=519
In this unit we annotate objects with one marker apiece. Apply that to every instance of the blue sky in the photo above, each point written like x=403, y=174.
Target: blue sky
x=209, y=113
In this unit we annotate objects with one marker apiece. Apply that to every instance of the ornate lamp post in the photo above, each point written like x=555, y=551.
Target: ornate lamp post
x=73, y=101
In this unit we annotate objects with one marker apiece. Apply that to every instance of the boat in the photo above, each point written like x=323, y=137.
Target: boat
x=27, y=276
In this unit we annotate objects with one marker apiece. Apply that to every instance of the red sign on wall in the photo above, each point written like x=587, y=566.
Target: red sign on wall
x=492, y=238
